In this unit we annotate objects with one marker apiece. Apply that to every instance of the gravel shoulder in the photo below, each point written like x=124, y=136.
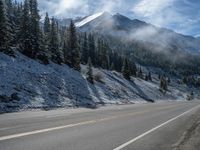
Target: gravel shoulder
x=190, y=139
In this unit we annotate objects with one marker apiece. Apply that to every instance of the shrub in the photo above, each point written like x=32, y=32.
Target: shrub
x=98, y=77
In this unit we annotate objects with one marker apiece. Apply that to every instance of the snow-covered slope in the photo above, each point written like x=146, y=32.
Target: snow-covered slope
x=27, y=84
x=88, y=19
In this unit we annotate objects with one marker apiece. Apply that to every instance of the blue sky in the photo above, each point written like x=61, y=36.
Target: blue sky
x=183, y=16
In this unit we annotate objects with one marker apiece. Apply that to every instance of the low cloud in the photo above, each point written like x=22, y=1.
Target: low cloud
x=64, y=8
x=179, y=15
x=160, y=12
x=150, y=34
x=74, y=8
x=110, y=5
x=148, y=8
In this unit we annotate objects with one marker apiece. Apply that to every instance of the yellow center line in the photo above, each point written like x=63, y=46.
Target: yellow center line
x=76, y=124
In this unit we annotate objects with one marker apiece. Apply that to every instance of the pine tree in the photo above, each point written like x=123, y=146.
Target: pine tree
x=168, y=80
x=9, y=5
x=84, y=50
x=126, y=69
x=146, y=77
x=73, y=48
x=24, y=34
x=133, y=69
x=117, y=61
x=36, y=35
x=47, y=30
x=112, y=66
x=47, y=25
x=185, y=79
x=98, y=53
x=90, y=77
x=91, y=48
x=31, y=37
x=43, y=54
x=149, y=76
x=103, y=54
x=4, y=29
x=105, y=58
x=65, y=52
x=140, y=73
x=163, y=84
x=10, y=20
x=60, y=42
x=54, y=44
x=17, y=13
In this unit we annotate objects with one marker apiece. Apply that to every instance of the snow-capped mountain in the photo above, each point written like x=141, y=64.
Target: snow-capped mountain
x=88, y=19
x=128, y=30
x=106, y=20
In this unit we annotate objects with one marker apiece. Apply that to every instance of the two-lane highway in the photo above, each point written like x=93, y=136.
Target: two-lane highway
x=134, y=127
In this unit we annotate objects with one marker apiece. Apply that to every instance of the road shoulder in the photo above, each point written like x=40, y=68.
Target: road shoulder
x=190, y=138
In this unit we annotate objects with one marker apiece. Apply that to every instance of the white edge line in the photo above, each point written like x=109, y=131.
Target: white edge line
x=157, y=127
x=83, y=123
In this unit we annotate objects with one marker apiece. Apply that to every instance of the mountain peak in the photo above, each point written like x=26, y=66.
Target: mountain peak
x=106, y=13
x=120, y=16
x=139, y=22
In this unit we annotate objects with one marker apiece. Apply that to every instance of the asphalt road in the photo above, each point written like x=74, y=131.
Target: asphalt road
x=131, y=127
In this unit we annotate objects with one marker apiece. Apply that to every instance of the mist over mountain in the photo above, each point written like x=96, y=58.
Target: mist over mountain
x=128, y=30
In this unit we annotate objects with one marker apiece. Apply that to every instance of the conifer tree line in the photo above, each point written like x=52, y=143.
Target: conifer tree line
x=21, y=28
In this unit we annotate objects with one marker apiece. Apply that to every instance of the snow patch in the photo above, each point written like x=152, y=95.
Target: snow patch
x=88, y=19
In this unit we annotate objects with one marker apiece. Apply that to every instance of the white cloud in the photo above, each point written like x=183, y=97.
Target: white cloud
x=65, y=5
x=109, y=5
x=149, y=8
x=63, y=8
x=189, y=3
x=158, y=12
